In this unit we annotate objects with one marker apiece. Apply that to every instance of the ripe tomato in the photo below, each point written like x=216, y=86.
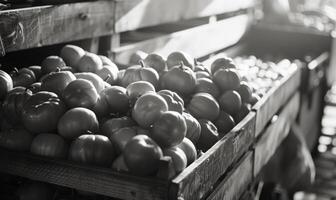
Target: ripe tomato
x=142, y=155
x=71, y=54
x=209, y=135
x=189, y=149
x=203, y=106
x=193, y=127
x=226, y=79
x=57, y=81
x=96, y=80
x=23, y=77
x=169, y=129
x=121, y=137
x=76, y=122
x=174, y=101
x=208, y=86
x=93, y=150
x=41, y=112
x=6, y=84
x=37, y=71
x=16, y=139
x=178, y=156
x=109, y=73
x=138, y=88
x=224, y=123
x=140, y=73
x=230, y=102
x=89, y=62
x=110, y=126
x=222, y=63
x=244, y=110
x=116, y=99
x=156, y=62
x=49, y=145
x=245, y=92
x=52, y=64
x=175, y=58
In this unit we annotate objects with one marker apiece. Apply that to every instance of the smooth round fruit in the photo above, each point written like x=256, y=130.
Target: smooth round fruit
x=245, y=92
x=138, y=88
x=37, y=71
x=226, y=79
x=137, y=56
x=175, y=58
x=6, y=84
x=49, y=145
x=15, y=139
x=98, y=82
x=224, y=123
x=76, y=122
x=148, y=108
x=52, y=64
x=121, y=137
x=110, y=126
x=189, y=149
x=140, y=73
x=116, y=99
x=209, y=135
x=156, y=62
x=109, y=73
x=254, y=98
x=23, y=77
x=230, y=102
x=93, y=150
x=169, y=129
x=57, y=81
x=178, y=156
x=193, y=127
x=203, y=106
x=202, y=74
x=208, y=86
x=180, y=79
x=90, y=62
x=41, y=112
x=174, y=101
x=35, y=87
x=142, y=155
x=222, y=63
x=244, y=110
x=71, y=54
x=80, y=93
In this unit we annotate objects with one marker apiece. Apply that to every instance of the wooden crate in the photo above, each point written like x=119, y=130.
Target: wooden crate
x=275, y=133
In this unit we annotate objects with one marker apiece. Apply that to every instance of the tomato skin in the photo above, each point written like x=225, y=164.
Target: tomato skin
x=77, y=121
x=110, y=126
x=92, y=150
x=204, y=106
x=156, y=62
x=193, y=127
x=121, y=137
x=188, y=147
x=23, y=77
x=41, y=112
x=227, y=79
x=230, y=102
x=16, y=139
x=37, y=71
x=52, y=64
x=224, y=123
x=116, y=99
x=12, y=105
x=222, y=63
x=174, y=101
x=142, y=155
x=176, y=57
x=6, y=84
x=178, y=156
x=209, y=135
x=208, y=86
x=169, y=129
x=57, y=81
x=49, y=145
x=140, y=73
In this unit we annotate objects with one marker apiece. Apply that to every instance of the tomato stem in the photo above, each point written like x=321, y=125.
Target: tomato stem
x=142, y=63
x=181, y=64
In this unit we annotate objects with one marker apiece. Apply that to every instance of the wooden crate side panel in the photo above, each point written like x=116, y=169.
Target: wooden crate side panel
x=197, y=42
x=92, y=179
x=46, y=25
x=234, y=185
x=275, y=99
x=275, y=133
x=198, y=179
x=135, y=14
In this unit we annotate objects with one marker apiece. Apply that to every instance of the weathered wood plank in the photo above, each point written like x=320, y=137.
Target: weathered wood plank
x=134, y=14
x=46, y=25
x=236, y=182
x=93, y=179
x=275, y=133
x=199, y=178
x=276, y=98
x=198, y=41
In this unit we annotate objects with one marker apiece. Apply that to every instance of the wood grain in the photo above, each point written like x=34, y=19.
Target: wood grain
x=46, y=25
x=236, y=182
x=135, y=14
x=199, y=178
x=275, y=133
x=198, y=41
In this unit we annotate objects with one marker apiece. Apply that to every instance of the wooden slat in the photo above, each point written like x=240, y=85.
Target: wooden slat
x=46, y=25
x=236, y=182
x=275, y=133
x=276, y=98
x=134, y=14
x=93, y=179
x=198, y=179
x=198, y=41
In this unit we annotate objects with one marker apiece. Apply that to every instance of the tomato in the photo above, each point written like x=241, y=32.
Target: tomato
x=138, y=88
x=193, y=127
x=180, y=79
x=57, y=81
x=119, y=164
x=230, y=102
x=52, y=64
x=174, y=101
x=23, y=77
x=89, y=62
x=35, y=87
x=13, y=104
x=80, y=93
x=208, y=86
x=116, y=99
x=209, y=135
x=224, y=123
x=6, y=84
x=203, y=106
x=71, y=54
x=49, y=145
x=34, y=190
x=226, y=79
x=254, y=98
x=76, y=122
x=244, y=110
x=245, y=92
x=37, y=71
x=169, y=129
x=96, y=80
x=121, y=137
x=148, y=109
x=142, y=155
x=140, y=73
x=137, y=56
x=189, y=149
x=110, y=126
x=222, y=63
x=156, y=62
x=178, y=156
x=175, y=59
x=199, y=67
x=16, y=139
x=202, y=74
x=109, y=73
x=41, y=112
x=93, y=150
